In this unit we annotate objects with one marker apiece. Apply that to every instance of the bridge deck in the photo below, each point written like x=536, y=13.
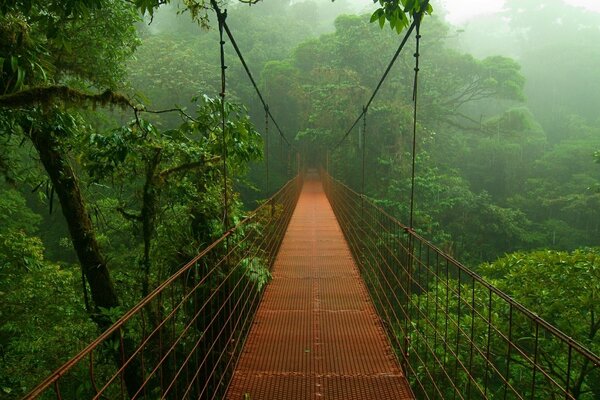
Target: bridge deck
x=316, y=334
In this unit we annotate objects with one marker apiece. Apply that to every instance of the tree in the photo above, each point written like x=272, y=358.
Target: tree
x=466, y=340
x=34, y=294
x=52, y=55
x=47, y=46
x=561, y=34
x=182, y=168
x=538, y=280
x=333, y=77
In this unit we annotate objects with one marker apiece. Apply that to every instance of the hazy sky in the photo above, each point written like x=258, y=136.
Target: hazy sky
x=460, y=11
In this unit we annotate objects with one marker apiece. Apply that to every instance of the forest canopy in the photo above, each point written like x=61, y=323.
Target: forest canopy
x=112, y=158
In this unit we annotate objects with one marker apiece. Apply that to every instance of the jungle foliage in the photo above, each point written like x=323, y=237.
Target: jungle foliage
x=138, y=201
x=505, y=171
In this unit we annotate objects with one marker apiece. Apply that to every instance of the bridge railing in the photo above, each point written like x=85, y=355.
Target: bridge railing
x=456, y=336
x=183, y=340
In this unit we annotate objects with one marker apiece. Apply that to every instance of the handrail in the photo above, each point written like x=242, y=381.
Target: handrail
x=446, y=322
x=274, y=222
x=576, y=345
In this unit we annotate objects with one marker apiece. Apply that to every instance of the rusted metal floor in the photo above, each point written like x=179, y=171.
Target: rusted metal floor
x=316, y=334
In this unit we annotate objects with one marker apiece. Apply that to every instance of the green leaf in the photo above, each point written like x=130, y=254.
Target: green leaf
x=381, y=21
x=20, y=78
x=14, y=63
x=375, y=16
x=43, y=71
x=399, y=28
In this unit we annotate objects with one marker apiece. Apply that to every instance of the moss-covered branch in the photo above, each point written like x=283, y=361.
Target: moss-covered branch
x=51, y=94
x=186, y=167
x=129, y=215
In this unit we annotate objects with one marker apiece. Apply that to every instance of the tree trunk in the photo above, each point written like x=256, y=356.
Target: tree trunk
x=78, y=220
x=84, y=241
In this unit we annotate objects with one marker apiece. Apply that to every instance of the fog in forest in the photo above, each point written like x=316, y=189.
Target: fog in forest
x=119, y=165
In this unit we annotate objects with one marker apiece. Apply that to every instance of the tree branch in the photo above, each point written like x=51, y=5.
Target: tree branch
x=128, y=215
x=169, y=110
x=186, y=167
x=49, y=94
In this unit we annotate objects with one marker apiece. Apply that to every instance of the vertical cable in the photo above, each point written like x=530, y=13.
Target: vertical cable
x=289, y=164
x=282, y=158
x=364, y=147
x=329, y=163
x=415, y=97
x=221, y=17
x=267, y=145
x=412, y=185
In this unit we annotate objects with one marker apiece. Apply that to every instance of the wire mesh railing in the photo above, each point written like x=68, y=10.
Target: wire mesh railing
x=183, y=340
x=456, y=336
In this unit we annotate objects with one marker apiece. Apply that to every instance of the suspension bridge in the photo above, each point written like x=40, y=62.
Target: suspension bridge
x=359, y=306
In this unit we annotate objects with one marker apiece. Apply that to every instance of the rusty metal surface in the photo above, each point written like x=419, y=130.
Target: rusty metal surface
x=457, y=336
x=182, y=340
x=316, y=334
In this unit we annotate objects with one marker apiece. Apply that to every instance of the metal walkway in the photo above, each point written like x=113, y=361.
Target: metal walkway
x=316, y=334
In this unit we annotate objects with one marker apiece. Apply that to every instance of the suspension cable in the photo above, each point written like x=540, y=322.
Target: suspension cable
x=258, y=92
x=415, y=98
x=381, y=81
x=221, y=16
x=412, y=27
x=410, y=227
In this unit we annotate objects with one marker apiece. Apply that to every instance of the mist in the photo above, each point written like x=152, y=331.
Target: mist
x=128, y=147
x=508, y=122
